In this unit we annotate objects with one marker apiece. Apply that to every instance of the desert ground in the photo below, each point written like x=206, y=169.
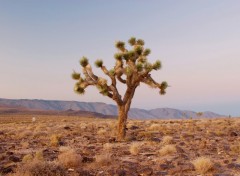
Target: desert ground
x=69, y=145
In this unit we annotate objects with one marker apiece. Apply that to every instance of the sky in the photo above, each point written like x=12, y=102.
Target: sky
x=198, y=43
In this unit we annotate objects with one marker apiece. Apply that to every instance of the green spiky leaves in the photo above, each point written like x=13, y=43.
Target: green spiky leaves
x=132, y=41
x=118, y=56
x=148, y=67
x=120, y=45
x=98, y=63
x=112, y=72
x=139, y=67
x=140, y=42
x=84, y=62
x=157, y=65
x=163, y=87
x=138, y=50
x=78, y=89
x=76, y=76
x=146, y=52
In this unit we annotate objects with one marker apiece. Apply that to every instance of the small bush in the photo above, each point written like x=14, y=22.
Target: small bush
x=70, y=159
x=202, y=165
x=40, y=168
x=167, y=140
x=54, y=140
x=103, y=159
x=167, y=150
x=135, y=148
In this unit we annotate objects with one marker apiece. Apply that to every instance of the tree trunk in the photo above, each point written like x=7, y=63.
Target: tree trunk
x=122, y=122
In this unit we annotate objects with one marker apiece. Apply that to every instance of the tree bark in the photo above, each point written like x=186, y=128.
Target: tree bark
x=122, y=122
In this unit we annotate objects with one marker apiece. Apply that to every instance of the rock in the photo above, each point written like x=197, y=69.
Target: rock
x=155, y=139
x=8, y=169
x=161, y=173
x=9, y=153
x=121, y=172
x=233, y=166
x=182, y=143
x=165, y=166
x=14, y=158
x=87, y=159
x=179, y=149
x=233, y=134
x=220, y=174
x=67, y=128
x=83, y=172
x=145, y=171
x=226, y=161
x=134, y=127
x=181, y=169
x=112, y=139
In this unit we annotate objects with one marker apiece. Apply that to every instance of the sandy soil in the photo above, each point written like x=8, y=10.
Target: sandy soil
x=57, y=145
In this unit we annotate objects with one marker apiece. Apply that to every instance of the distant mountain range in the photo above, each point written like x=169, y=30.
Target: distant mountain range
x=96, y=109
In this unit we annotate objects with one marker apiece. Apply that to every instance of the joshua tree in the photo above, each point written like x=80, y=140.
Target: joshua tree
x=131, y=68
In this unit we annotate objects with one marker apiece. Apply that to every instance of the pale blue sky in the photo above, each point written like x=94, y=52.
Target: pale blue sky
x=197, y=41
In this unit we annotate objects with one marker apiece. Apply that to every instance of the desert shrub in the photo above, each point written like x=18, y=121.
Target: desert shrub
x=70, y=159
x=40, y=168
x=108, y=146
x=167, y=150
x=235, y=148
x=39, y=155
x=54, y=140
x=167, y=140
x=202, y=165
x=101, y=131
x=103, y=159
x=64, y=148
x=27, y=158
x=135, y=148
x=155, y=127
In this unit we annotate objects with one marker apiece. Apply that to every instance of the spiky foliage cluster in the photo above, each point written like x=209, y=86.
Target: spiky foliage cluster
x=132, y=63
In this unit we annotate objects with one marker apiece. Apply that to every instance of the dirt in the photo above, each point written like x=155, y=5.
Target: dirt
x=101, y=154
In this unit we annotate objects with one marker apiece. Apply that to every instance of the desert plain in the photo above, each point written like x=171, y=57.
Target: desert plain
x=72, y=145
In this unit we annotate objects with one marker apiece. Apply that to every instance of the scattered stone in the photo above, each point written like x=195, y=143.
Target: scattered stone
x=146, y=171
x=87, y=159
x=233, y=134
x=9, y=153
x=121, y=172
x=112, y=139
x=14, y=158
x=161, y=173
x=155, y=139
x=67, y=128
x=84, y=173
x=165, y=166
x=220, y=174
x=134, y=127
x=233, y=166
x=179, y=150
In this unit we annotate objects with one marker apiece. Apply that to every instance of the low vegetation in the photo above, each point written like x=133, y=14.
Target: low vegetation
x=70, y=146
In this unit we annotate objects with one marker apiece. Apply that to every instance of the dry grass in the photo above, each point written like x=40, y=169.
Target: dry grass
x=167, y=150
x=54, y=140
x=202, y=165
x=103, y=159
x=135, y=148
x=167, y=140
x=40, y=168
x=70, y=159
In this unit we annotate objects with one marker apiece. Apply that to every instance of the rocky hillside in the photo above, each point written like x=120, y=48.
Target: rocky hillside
x=102, y=108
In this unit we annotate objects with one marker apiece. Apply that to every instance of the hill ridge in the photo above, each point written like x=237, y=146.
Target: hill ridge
x=103, y=108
